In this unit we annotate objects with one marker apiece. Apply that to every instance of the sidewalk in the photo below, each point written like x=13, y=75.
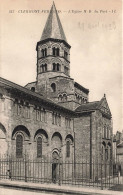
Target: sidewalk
x=52, y=188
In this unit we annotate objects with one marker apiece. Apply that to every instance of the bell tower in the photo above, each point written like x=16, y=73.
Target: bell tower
x=53, y=51
x=53, y=79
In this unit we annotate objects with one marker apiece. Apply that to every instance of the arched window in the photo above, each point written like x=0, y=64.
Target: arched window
x=39, y=147
x=65, y=55
x=56, y=67
x=19, y=146
x=43, y=68
x=45, y=51
x=68, y=148
x=55, y=51
x=33, y=89
x=53, y=86
x=85, y=101
x=42, y=53
x=60, y=98
x=64, y=98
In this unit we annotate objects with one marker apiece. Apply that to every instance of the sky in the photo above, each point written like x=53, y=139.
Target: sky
x=92, y=28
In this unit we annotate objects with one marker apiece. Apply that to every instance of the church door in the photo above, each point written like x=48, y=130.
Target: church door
x=55, y=167
x=54, y=172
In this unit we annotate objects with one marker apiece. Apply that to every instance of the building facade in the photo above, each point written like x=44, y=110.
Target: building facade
x=52, y=117
x=118, y=152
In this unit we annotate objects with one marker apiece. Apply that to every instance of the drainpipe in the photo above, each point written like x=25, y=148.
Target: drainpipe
x=74, y=151
x=91, y=146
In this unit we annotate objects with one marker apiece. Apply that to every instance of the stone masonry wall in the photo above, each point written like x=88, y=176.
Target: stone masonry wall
x=11, y=118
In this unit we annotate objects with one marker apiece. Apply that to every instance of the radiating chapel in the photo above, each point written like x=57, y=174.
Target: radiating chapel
x=52, y=116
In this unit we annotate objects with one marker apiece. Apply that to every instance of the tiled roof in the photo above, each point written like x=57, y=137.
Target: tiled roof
x=81, y=87
x=53, y=28
x=17, y=88
x=88, y=106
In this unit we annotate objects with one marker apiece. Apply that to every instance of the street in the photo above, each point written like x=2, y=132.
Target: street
x=6, y=191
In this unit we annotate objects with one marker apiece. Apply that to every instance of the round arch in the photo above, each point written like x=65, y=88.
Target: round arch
x=45, y=61
x=64, y=94
x=44, y=46
x=3, y=142
x=56, y=45
x=2, y=131
x=69, y=136
x=60, y=97
x=21, y=128
x=41, y=132
x=56, y=61
x=57, y=134
x=64, y=97
x=55, y=154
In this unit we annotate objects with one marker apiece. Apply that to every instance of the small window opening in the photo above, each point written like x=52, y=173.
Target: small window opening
x=68, y=149
x=33, y=89
x=53, y=86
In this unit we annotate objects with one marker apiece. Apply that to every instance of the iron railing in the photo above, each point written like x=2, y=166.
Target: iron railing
x=96, y=174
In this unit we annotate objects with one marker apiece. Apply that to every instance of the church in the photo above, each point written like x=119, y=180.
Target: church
x=52, y=117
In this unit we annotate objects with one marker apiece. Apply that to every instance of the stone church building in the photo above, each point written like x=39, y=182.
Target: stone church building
x=52, y=117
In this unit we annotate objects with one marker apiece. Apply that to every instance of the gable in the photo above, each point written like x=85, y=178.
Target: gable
x=104, y=107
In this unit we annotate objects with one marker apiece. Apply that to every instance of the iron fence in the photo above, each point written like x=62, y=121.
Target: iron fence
x=96, y=174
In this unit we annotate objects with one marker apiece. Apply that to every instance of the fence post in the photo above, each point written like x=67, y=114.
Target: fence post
x=25, y=170
x=118, y=173
x=59, y=168
x=10, y=168
x=59, y=174
x=101, y=176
